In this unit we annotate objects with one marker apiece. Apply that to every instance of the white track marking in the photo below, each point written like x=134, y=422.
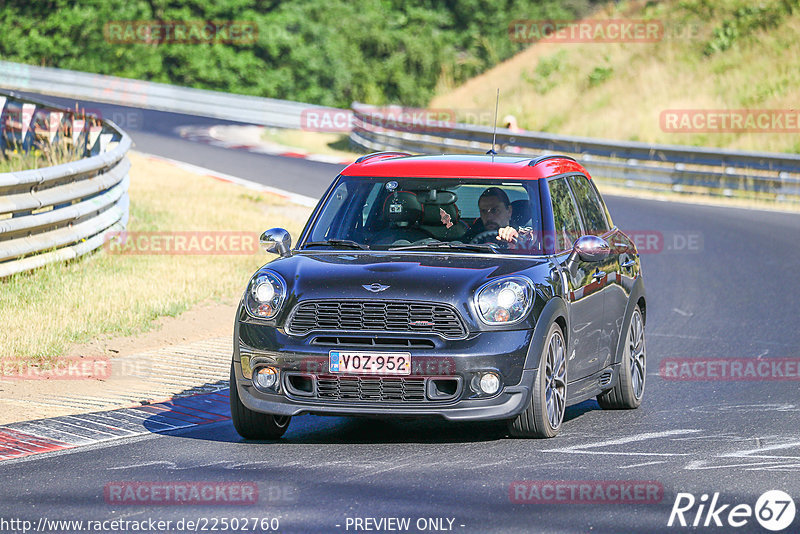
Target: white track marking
x=752, y=452
x=580, y=449
x=642, y=464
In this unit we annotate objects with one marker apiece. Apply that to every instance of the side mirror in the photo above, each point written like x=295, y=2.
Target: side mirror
x=276, y=241
x=591, y=248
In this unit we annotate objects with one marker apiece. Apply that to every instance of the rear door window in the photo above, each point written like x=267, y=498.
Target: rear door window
x=594, y=216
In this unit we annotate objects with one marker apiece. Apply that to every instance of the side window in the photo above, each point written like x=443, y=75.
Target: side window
x=594, y=216
x=565, y=215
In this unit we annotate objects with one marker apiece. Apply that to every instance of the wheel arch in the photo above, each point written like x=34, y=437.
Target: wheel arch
x=555, y=311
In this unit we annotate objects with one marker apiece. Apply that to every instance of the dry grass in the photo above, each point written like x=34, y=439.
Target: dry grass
x=43, y=311
x=42, y=154
x=548, y=86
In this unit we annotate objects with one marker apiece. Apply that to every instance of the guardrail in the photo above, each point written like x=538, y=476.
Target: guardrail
x=64, y=211
x=634, y=165
x=151, y=95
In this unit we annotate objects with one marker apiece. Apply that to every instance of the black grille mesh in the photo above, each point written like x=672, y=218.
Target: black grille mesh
x=378, y=388
x=383, y=316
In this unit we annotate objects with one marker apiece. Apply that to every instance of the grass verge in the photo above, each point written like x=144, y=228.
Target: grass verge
x=43, y=311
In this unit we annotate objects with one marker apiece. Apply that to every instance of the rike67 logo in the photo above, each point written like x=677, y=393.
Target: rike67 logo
x=774, y=510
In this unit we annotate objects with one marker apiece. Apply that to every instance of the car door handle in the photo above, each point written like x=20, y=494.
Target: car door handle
x=629, y=263
x=598, y=275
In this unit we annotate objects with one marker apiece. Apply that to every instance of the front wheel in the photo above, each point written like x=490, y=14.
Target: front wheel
x=255, y=425
x=545, y=412
x=628, y=392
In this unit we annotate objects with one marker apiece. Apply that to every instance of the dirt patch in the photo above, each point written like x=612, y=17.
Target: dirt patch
x=207, y=320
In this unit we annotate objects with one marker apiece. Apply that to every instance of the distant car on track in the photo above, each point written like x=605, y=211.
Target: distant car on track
x=466, y=287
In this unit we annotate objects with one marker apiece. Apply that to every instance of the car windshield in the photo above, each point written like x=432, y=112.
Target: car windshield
x=465, y=215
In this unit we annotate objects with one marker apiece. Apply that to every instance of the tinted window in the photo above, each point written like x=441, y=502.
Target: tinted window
x=565, y=215
x=381, y=213
x=593, y=213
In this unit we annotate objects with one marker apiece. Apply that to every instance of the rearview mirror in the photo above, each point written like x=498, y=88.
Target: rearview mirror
x=276, y=241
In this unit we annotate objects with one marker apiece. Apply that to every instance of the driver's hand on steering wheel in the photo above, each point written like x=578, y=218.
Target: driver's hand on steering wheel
x=508, y=234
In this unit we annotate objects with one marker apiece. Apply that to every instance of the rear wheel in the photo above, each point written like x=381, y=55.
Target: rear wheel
x=255, y=425
x=628, y=392
x=545, y=412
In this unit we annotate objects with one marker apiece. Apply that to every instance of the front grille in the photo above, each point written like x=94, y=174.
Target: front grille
x=378, y=388
x=374, y=342
x=376, y=316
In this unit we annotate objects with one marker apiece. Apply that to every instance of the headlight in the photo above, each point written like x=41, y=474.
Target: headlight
x=506, y=300
x=265, y=295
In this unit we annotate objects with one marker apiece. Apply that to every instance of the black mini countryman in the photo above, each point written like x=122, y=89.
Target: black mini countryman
x=463, y=287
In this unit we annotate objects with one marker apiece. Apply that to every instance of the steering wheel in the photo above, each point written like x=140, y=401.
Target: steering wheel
x=484, y=236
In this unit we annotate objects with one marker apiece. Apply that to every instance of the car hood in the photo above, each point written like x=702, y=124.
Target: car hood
x=446, y=278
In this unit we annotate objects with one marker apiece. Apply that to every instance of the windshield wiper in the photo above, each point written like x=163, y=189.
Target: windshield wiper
x=444, y=244
x=337, y=243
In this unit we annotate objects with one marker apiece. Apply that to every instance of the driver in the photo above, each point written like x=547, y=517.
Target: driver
x=495, y=215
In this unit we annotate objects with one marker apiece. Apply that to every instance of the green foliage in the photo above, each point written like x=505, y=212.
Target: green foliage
x=331, y=53
x=747, y=20
x=599, y=75
x=544, y=75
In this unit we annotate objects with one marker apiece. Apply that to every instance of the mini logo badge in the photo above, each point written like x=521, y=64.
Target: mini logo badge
x=375, y=288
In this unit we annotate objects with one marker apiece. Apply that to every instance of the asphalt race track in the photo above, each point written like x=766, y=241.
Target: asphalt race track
x=721, y=283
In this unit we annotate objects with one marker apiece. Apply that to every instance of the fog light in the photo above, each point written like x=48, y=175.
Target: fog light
x=266, y=377
x=490, y=383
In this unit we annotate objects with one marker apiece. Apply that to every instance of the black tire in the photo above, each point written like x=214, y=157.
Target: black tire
x=629, y=391
x=255, y=425
x=544, y=414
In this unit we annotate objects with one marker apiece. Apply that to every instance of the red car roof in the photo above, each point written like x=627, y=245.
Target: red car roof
x=393, y=165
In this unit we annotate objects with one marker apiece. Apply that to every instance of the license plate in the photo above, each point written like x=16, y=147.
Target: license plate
x=374, y=363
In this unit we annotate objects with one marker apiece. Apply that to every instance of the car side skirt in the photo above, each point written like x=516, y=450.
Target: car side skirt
x=593, y=385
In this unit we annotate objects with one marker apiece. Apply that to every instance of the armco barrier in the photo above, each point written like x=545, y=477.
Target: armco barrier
x=150, y=95
x=60, y=212
x=635, y=165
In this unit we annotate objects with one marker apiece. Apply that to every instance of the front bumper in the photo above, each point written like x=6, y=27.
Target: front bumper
x=502, y=352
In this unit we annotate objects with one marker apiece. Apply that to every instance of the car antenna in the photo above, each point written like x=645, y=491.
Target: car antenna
x=492, y=151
